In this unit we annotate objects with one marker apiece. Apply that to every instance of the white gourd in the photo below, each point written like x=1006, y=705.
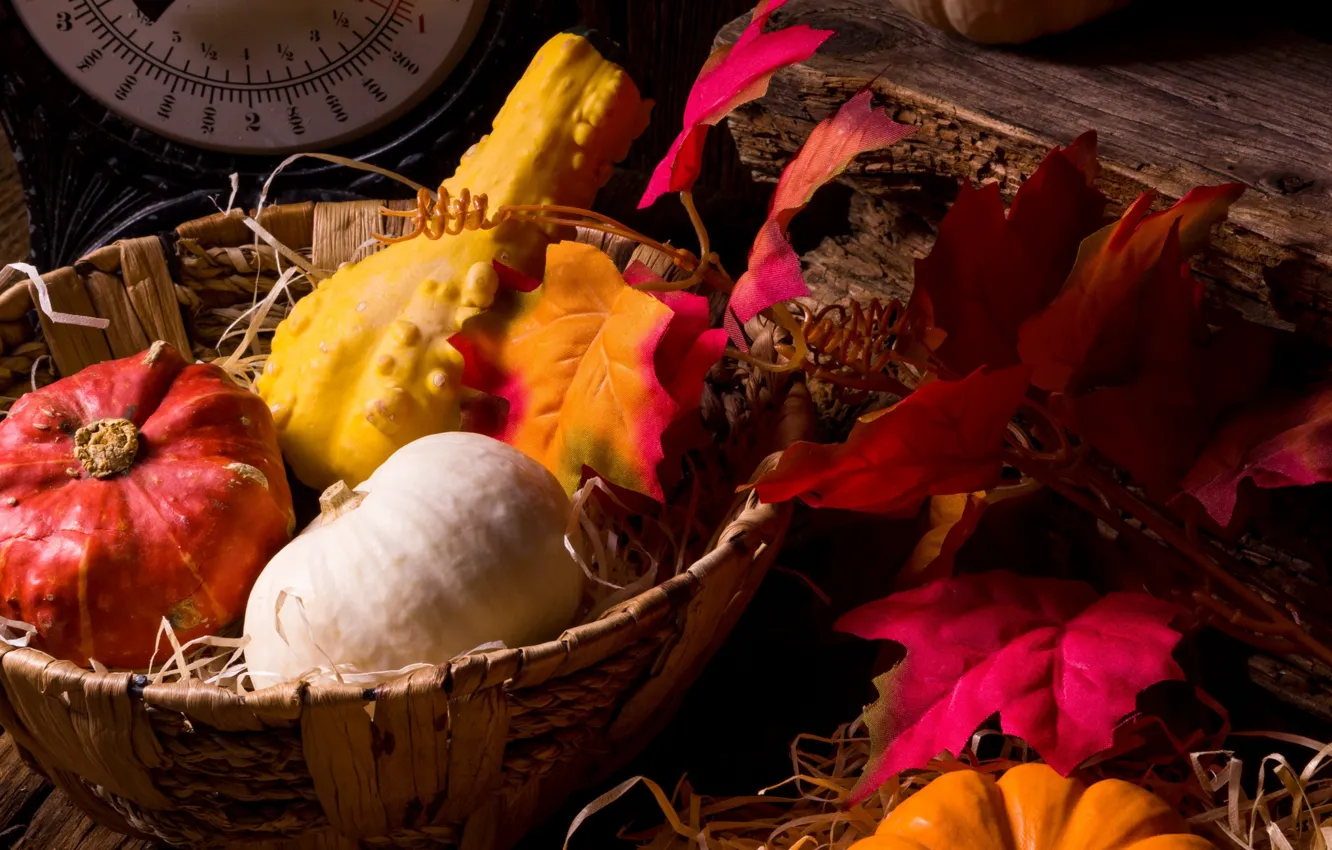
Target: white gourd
x=1007, y=21
x=457, y=540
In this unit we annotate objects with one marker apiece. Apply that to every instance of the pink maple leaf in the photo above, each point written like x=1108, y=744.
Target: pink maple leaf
x=689, y=347
x=1060, y=664
x=1281, y=442
x=733, y=75
x=774, y=268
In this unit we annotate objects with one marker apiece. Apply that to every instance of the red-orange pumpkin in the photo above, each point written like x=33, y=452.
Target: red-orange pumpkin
x=133, y=490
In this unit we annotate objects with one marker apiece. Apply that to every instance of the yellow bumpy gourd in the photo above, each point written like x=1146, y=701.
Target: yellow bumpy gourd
x=363, y=365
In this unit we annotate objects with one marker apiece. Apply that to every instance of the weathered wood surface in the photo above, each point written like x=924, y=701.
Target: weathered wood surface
x=1180, y=94
x=35, y=816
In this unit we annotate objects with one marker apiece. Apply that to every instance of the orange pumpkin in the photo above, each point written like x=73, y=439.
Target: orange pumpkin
x=1031, y=808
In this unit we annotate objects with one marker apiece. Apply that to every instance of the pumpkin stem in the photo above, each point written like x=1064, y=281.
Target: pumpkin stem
x=337, y=500
x=106, y=447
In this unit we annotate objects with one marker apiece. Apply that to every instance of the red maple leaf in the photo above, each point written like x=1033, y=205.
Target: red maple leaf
x=774, y=268
x=946, y=437
x=732, y=76
x=1277, y=443
x=1060, y=664
x=988, y=273
x=1151, y=387
x=1085, y=335
x=1146, y=416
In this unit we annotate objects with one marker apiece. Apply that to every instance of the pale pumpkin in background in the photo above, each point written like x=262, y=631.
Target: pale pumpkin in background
x=1031, y=808
x=1007, y=21
x=457, y=540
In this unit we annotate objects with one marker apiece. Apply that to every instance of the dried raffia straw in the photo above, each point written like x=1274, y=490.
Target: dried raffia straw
x=615, y=559
x=202, y=659
x=245, y=369
x=16, y=632
x=813, y=816
x=1298, y=816
x=235, y=187
x=44, y=301
x=336, y=160
x=37, y=364
x=314, y=274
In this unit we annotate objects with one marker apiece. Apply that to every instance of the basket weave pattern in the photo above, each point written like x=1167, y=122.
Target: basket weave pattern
x=467, y=754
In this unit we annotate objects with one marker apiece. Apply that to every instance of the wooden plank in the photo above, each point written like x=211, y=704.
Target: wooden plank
x=58, y=824
x=1301, y=682
x=22, y=791
x=1180, y=94
x=35, y=815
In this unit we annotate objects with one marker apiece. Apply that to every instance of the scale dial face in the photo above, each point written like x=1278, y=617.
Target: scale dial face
x=255, y=76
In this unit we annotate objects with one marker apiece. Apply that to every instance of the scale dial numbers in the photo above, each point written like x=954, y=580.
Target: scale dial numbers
x=255, y=76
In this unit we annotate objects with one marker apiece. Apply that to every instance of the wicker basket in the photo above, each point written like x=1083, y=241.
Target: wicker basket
x=471, y=753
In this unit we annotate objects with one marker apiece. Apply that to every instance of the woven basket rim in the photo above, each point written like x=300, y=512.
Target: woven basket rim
x=748, y=527
x=471, y=672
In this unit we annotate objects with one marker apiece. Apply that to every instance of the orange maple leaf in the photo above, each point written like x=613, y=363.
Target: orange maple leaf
x=953, y=519
x=576, y=365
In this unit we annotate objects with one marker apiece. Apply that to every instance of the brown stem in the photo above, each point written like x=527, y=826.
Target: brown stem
x=1276, y=645
x=1237, y=618
x=1208, y=563
x=704, y=241
x=337, y=500
x=106, y=447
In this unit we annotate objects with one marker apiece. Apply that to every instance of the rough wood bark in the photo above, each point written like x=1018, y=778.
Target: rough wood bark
x=1178, y=99
x=1301, y=682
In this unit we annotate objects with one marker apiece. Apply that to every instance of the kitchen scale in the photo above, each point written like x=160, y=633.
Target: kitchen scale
x=128, y=117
